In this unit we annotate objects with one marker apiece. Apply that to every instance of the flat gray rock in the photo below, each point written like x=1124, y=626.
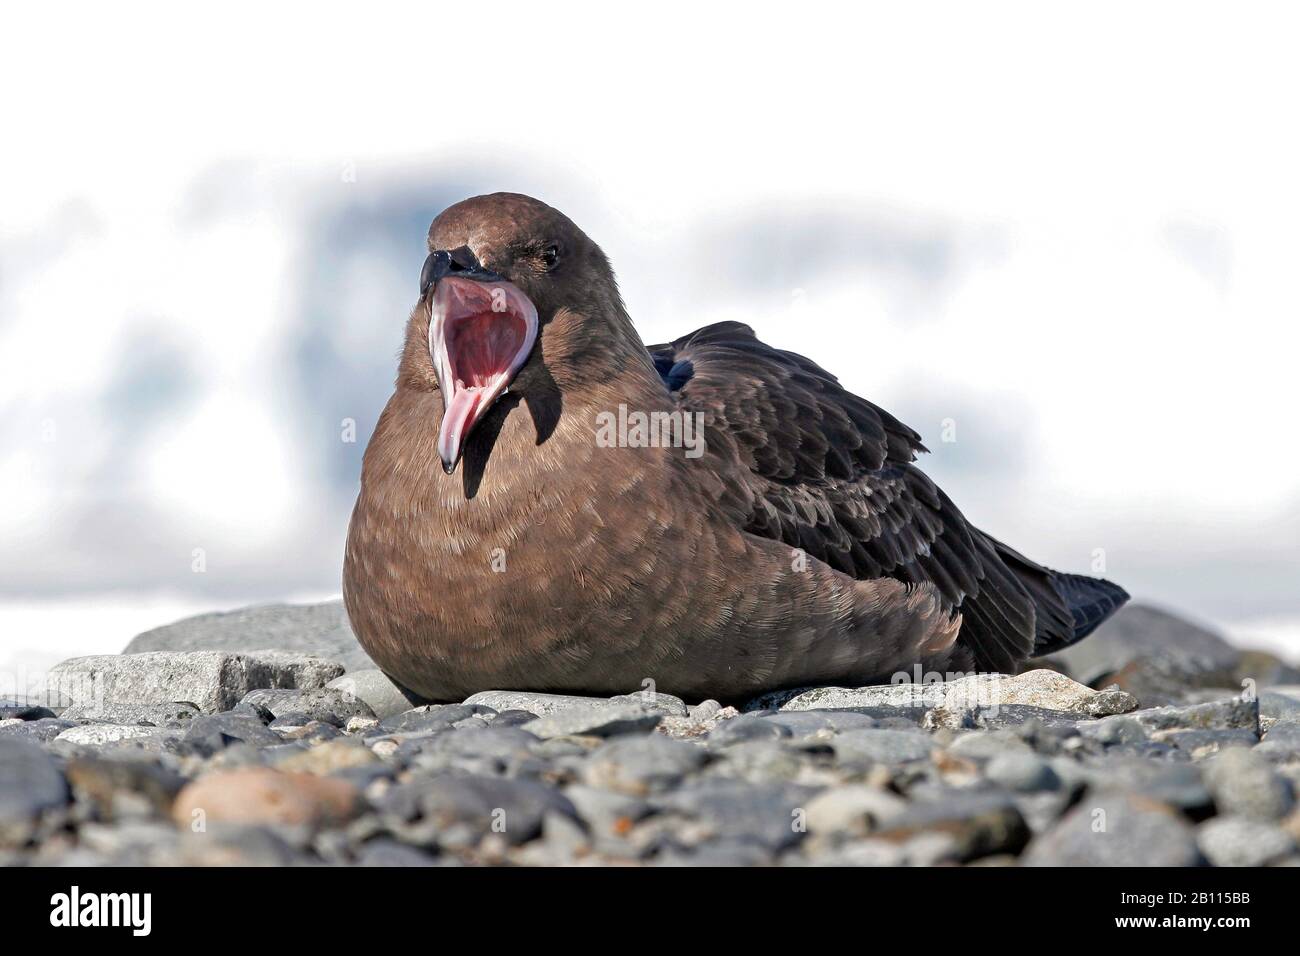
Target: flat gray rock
x=96, y=735
x=539, y=704
x=604, y=720
x=1139, y=632
x=210, y=681
x=126, y=712
x=1040, y=688
x=429, y=718
x=1232, y=713
x=321, y=630
x=1281, y=704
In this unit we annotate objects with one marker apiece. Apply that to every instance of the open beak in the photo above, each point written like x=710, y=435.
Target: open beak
x=481, y=330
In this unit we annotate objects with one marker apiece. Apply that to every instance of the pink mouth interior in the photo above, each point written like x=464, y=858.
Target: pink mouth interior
x=481, y=347
x=480, y=334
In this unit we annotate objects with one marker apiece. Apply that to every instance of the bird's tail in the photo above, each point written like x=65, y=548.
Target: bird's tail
x=1069, y=606
x=1089, y=600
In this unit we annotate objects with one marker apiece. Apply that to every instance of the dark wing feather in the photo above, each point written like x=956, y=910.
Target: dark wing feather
x=828, y=472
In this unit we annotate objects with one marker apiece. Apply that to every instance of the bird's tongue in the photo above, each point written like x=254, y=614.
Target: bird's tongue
x=456, y=421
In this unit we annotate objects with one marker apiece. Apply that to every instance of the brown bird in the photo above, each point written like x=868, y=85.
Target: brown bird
x=714, y=515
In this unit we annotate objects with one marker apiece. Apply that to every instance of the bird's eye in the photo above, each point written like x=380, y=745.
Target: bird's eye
x=551, y=256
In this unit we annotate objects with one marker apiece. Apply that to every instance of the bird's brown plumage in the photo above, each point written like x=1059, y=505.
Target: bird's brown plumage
x=802, y=547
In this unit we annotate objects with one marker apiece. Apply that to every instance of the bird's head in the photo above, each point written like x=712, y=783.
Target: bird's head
x=507, y=280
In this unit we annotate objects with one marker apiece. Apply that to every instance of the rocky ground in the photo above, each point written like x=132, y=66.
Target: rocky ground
x=198, y=746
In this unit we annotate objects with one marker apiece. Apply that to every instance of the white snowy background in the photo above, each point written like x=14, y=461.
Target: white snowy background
x=1074, y=235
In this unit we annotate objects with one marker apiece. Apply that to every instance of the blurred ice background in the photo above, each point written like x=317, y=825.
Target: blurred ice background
x=1071, y=239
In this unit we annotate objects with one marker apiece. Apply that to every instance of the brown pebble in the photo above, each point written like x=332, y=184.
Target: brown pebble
x=258, y=795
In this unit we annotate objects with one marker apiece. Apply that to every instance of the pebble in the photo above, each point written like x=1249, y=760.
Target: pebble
x=747, y=727
x=760, y=761
x=328, y=704
x=17, y=710
x=1245, y=784
x=539, y=705
x=331, y=756
x=1281, y=743
x=985, y=744
x=432, y=717
x=359, y=725
x=852, y=809
x=167, y=714
x=1240, y=841
x=119, y=789
x=772, y=815
x=605, y=810
x=642, y=765
x=1116, y=830
x=30, y=784
x=859, y=746
x=210, y=733
x=385, y=852
x=972, y=825
x=1178, y=785
x=1041, y=688
x=91, y=735
x=258, y=795
x=295, y=762
x=1280, y=704
x=43, y=729
x=1226, y=714
x=1205, y=743
x=384, y=696
x=1022, y=772
x=607, y=720
x=460, y=810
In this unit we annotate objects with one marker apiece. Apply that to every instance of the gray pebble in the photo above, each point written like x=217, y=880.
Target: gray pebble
x=462, y=809
x=1245, y=784
x=770, y=815
x=328, y=705
x=1022, y=772
x=30, y=783
x=1116, y=830
x=211, y=733
x=432, y=717
x=608, y=720
x=641, y=765
x=384, y=696
x=881, y=746
x=1239, y=841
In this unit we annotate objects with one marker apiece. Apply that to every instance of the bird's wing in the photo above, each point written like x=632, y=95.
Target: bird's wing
x=798, y=459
